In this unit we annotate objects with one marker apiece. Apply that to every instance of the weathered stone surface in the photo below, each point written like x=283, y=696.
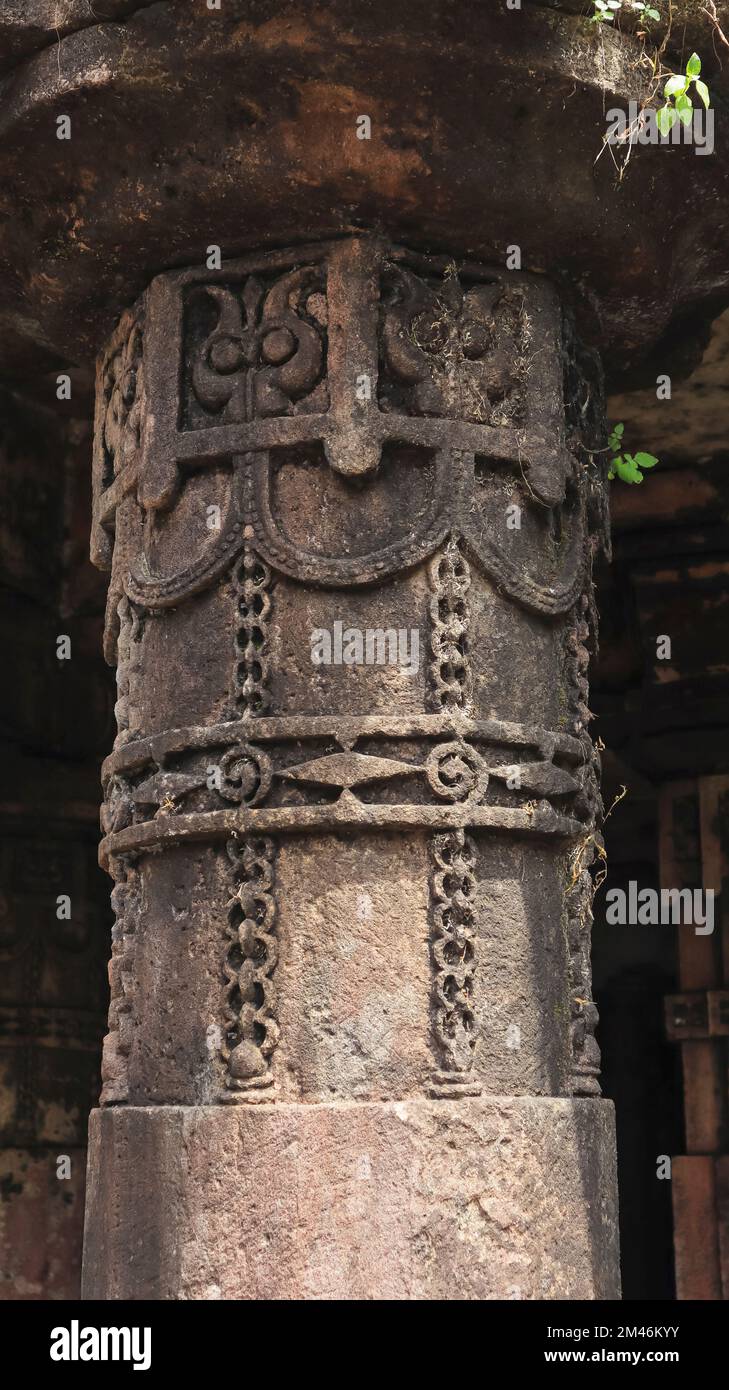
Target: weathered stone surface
x=388, y=509
x=353, y=882
x=363, y=908
x=486, y=124
x=475, y=1199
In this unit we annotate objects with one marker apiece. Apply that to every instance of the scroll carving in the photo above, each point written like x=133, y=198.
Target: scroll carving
x=258, y=763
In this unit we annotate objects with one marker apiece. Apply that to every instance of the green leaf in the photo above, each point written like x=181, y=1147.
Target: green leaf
x=629, y=470
x=675, y=85
x=685, y=109
x=665, y=118
x=653, y=14
x=703, y=92
x=693, y=66
x=646, y=460
x=626, y=472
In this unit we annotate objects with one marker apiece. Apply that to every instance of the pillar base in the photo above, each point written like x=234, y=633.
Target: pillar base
x=488, y=1198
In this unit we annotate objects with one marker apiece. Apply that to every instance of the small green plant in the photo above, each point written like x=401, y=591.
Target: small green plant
x=678, y=91
x=627, y=467
x=644, y=11
x=605, y=10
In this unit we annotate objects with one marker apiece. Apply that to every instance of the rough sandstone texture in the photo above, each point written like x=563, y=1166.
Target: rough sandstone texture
x=352, y=899
x=238, y=126
x=363, y=907
x=471, y=1199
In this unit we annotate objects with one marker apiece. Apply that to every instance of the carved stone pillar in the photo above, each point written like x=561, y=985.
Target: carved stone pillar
x=351, y=1047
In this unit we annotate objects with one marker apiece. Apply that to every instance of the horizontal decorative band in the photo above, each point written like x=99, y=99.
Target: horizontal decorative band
x=346, y=812
x=344, y=729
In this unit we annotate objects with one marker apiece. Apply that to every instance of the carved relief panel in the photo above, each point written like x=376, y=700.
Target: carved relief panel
x=347, y=428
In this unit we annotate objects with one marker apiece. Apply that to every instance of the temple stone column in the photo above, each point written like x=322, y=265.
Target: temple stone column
x=348, y=503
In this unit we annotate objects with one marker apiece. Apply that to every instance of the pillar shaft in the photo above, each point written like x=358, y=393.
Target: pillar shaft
x=346, y=496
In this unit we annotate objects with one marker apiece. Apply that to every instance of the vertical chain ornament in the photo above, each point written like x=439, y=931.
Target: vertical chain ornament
x=578, y=653
x=127, y=666
x=251, y=1032
x=584, y=1016
x=450, y=579
x=453, y=946
x=252, y=581
x=117, y=1043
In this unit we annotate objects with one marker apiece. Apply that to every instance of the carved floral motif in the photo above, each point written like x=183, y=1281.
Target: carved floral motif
x=266, y=350
x=448, y=350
